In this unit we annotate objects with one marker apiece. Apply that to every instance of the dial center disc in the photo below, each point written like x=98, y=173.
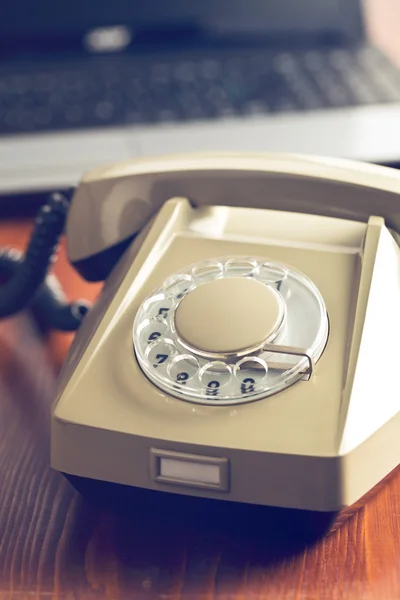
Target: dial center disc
x=229, y=316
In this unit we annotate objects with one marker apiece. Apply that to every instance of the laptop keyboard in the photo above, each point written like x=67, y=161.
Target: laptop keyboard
x=120, y=90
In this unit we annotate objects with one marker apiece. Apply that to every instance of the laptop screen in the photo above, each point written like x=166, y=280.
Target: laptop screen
x=29, y=18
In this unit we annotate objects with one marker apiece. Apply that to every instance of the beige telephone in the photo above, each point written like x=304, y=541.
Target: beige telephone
x=245, y=344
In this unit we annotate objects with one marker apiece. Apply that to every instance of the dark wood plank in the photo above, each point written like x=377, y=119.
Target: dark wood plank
x=55, y=544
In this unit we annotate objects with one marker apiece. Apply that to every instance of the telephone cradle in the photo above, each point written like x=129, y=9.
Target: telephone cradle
x=244, y=345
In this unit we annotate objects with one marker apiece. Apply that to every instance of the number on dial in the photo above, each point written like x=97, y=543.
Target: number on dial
x=160, y=358
x=247, y=385
x=153, y=336
x=182, y=377
x=212, y=388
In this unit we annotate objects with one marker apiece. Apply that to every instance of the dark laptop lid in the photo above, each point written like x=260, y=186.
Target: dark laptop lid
x=214, y=18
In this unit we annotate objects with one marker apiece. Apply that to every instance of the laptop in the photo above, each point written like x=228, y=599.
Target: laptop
x=88, y=83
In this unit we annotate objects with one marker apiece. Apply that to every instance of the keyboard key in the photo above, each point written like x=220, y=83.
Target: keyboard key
x=159, y=74
x=133, y=117
x=104, y=111
x=255, y=108
x=19, y=84
x=210, y=69
x=44, y=82
x=303, y=88
x=42, y=116
x=331, y=87
x=166, y=116
x=357, y=83
x=385, y=77
x=73, y=114
x=185, y=72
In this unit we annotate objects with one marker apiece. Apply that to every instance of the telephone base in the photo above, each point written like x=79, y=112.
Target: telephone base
x=245, y=346
x=161, y=510
x=165, y=510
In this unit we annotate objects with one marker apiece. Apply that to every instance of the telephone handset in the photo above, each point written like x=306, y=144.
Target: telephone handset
x=113, y=203
x=247, y=329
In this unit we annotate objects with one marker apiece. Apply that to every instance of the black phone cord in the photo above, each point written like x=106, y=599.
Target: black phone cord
x=27, y=283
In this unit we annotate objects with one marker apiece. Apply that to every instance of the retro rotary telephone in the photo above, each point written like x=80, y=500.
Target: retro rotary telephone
x=244, y=346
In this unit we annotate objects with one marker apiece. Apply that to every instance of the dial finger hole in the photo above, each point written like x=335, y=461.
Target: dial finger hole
x=178, y=286
x=159, y=353
x=151, y=330
x=208, y=270
x=241, y=267
x=183, y=368
x=270, y=273
x=214, y=376
x=250, y=372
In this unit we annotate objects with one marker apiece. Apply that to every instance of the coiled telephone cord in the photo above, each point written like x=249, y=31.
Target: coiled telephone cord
x=25, y=279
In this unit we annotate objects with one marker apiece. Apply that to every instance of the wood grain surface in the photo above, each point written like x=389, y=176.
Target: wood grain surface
x=55, y=544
